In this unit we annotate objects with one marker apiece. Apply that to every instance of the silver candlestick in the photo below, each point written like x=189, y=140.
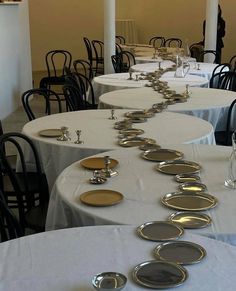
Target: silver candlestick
x=107, y=172
x=112, y=117
x=78, y=141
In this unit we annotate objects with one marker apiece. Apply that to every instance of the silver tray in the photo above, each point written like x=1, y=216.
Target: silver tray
x=159, y=155
x=149, y=146
x=182, y=178
x=52, y=132
x=180, y=252
x=135, y=141
x=190, y=219
x=111, y=281
x=178, y=167
x=190, y=201
x=193, y=186
x=132, y=131
x=160, y=230
x=138, y=119
x=159, y=274
x=139, y=114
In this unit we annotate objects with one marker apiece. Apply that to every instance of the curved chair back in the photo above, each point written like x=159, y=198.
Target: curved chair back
x=30, y=187
x=157, y=41
x=83, y=67
x=120, y=39
x=233, y=63
x=98, y=47
x=215, y=77
x=9, y=226
x=173, y=42
x=74, y=96
x=29, y=97
x=212, y=53
x=56, y=61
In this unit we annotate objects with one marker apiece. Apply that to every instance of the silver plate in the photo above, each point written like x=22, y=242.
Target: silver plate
x=138, y=119
x=160, y=230
x=109, y=281
x=190, y=201
x=52, y=132
x=159, y=155
x=180, y=252
x=135, y=141
x=190, y=219
x=159, y=274
x=132, y=131
x=139, y=114
x=178, y=167
x=193, y=186
x=149, y=146
x=182, y=178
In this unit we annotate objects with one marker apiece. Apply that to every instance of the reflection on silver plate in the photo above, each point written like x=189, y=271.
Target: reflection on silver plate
x=159, y=155
x=160, y=230
x=178, y=167
x=191, y=201
x=182, y=178
x=180, y=252
x=138, y=119
x=53, y=132
x=190, y=219
x=135, y=141
x=109, y=281
x=149, y=146
x=139, y=114
x=193, y=186
x=159, y=274
x=132, y=131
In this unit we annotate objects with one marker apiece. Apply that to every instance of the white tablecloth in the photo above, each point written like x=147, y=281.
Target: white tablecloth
x=99, y=135
x=106, y=83
x=209, y=104
x=148, y=58
x=67, y=260
x=143, y=187
x=205, y=70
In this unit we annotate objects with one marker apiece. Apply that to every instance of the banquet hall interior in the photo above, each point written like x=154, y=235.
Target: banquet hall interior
x=118, y=167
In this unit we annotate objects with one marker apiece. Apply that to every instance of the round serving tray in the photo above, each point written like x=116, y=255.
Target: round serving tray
x=97, y=163
x=135, y=141
x=189, y=219
x=180, y=252
x=101, y=197
x=159, y=155
x=53, y=132
x=190, y=201
x=193, y=186
x=178, y=167
x=159, y=274
x=160, y=230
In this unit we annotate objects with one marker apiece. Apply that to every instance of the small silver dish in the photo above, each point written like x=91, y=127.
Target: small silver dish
x=109, y=281
x=182, y=178
x=193, y=186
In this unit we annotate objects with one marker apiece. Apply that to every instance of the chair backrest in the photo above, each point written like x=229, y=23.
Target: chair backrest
x=128, y=60
x=233, y=63
x=98, y=47
x=215, y=77
x=120, y=39
x=83, y=67
x=30, y=97
x=73, y=95
x=213, y=53
x=196, y=50
x=89, y=50
x=9, y=226
x=228, y=81
x=157, y=41
x=229, y=128
x=173, y=42
x=117, y=63
x=56, y=61
x=26, y=197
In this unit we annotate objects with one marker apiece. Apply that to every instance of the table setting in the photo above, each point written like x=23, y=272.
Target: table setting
x=114, y=258
x=98, y=135
x=209, y=104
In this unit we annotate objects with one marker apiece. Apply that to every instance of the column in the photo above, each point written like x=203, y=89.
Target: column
x=109, y=34
x=211, y=28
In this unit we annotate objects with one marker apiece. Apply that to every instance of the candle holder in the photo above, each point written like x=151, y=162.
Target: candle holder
x=230, y=182
x=97, y=178
x=107, y=172
x=78, y=141
x=65, y=134
x=112, y=117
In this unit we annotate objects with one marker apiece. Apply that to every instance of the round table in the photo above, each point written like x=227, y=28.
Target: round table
x=205, y=69
x=148, y=58
x=67, y=260
x=209, y=104
x=99, y=135
x=106, y=83
x=143, y=187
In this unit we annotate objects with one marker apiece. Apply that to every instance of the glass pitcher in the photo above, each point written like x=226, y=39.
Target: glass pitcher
x=230, y=182
x=182, y=68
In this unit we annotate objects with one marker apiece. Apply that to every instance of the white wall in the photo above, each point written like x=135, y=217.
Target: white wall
x=15, y=60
